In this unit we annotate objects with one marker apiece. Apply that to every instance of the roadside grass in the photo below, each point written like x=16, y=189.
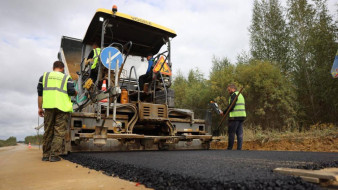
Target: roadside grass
x=316, y=138
x=11, y=141
x=314, y=131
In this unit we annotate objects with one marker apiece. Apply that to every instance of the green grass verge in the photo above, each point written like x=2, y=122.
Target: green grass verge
x=11, y=141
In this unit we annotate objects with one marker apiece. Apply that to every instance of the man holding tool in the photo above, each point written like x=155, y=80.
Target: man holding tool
x=237, y=114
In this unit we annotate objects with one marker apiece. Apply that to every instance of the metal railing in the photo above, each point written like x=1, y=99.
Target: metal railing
x=138, y=86
x=164, y=86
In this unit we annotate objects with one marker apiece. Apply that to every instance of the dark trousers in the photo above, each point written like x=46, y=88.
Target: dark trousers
x=144, y=79
x=55, y=126
x=235, y=127
x=93, y=74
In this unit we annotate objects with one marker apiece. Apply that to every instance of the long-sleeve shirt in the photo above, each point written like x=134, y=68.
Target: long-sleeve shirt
x=70, y=87
x=150, y=64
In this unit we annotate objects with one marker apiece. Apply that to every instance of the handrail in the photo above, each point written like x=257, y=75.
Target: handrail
x=138, y=86
x=84, y=72
x=159, y=72
x=125, y=56
x=165, y=89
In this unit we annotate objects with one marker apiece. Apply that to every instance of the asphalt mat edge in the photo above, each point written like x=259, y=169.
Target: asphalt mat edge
x=153, y=178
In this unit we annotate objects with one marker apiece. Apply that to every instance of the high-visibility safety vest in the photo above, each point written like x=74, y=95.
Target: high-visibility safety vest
x=55, y=91
x=239, y=109
x=97, y=52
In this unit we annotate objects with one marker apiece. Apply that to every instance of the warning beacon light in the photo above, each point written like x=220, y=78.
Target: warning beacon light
x=114, y=9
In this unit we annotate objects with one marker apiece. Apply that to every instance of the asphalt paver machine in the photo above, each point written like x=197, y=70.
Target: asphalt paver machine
x=111, y=113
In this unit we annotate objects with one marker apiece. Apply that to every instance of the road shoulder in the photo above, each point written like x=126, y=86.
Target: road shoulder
x=22, y=168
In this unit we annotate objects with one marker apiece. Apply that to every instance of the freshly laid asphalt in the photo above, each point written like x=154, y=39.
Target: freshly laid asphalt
x=207, y=169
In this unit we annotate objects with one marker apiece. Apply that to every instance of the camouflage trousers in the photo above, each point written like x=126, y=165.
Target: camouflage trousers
x=55, y=126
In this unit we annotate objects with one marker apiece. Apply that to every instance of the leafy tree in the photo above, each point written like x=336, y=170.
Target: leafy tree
x=179, y=86
x=286, y=81
x=221, y=75
x=11, y=141
x=34, y=139
x=244, y=58
x=323, y=46
x=269, y=95
x=301, y=15
x=303, y=48
x=269, y=34
x=192, y=93
x=312, y=51
x=197, y=93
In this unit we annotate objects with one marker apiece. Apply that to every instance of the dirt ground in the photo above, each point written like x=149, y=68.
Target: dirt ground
x=22, y=168
x=326, y=144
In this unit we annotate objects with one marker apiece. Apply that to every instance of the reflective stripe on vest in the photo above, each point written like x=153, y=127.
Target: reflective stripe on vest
x=97, y=52
x=239, y=109
x=55, y=92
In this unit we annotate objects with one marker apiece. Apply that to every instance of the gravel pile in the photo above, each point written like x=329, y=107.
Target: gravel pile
x=214, y=169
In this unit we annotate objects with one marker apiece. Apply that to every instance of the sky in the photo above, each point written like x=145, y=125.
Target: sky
x=31, y=30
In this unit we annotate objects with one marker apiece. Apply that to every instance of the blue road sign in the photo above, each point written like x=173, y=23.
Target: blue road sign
x=115, y=55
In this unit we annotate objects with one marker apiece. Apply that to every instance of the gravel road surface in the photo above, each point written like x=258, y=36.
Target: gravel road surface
x=21, y=168
x=207, y=169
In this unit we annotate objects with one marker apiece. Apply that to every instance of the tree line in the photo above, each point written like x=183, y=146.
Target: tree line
x=286, y=75
x=11, y=141
x=36, y=139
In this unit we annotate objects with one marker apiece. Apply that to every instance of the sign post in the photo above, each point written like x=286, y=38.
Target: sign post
x=109, y=56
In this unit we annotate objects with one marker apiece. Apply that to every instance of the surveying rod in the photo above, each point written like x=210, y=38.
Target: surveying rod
x=108, y=84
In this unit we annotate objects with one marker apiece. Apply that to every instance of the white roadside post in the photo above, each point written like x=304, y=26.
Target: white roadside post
x=109, y=59
x=116, y=89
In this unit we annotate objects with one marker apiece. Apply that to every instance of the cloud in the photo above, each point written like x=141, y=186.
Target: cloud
x=18, y=114
x=217, y=28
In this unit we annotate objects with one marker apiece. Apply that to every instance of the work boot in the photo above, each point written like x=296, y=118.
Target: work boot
x=55, y=158
x=45, y=158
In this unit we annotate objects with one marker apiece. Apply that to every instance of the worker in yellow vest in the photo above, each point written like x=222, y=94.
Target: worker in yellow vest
x=54, y=104
x=237, y=116
x=94, y=57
